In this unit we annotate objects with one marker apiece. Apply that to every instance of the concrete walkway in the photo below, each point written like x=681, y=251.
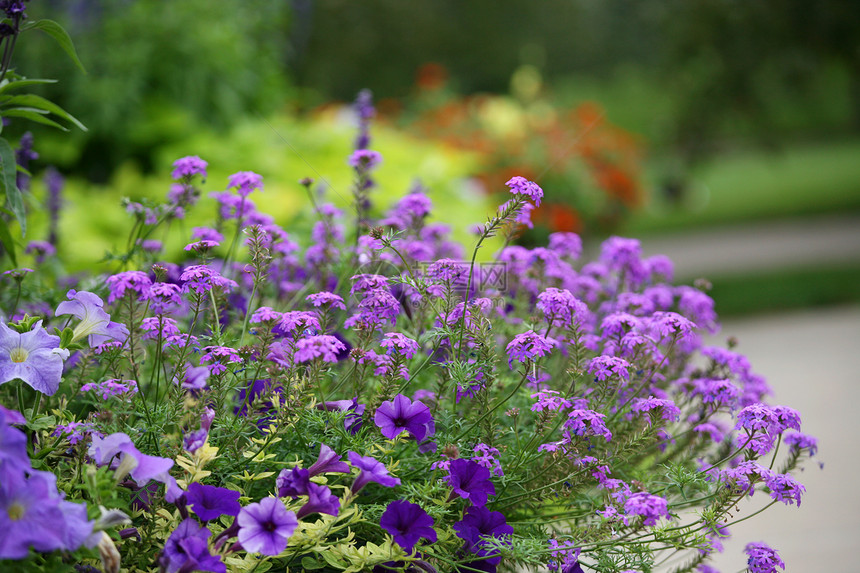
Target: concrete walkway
x=821, y=240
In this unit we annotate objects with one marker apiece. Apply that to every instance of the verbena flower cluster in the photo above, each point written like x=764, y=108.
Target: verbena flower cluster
x=253, y=404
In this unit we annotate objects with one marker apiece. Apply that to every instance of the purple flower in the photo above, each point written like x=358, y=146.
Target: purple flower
x=328, y=461
x=187, y=550
x=365, y=159
x=201, y=279
x=188, y=167
x=763, y=559
x=668, y=409
x=407, y=523
x=34, y=357
x=94, y=323
x=32, y=514
x=784, y=488
x=587, y=423
x=488, y=457
x=522, y=186
x=112, y=387
x=245, y=183
x=353, y=420
x=479, y=524
x=13, y=446
x=140, y=466
x=370, y=470
x=265, y=527
x=561, y=305
x=195, y=378
x=650, y=507
x=393, y=417
x=395, y=342
x=604, y=367
x=470, y=480
x=323, y=346
x=320, y=500
x=42, y=250
x=326, y=298
x=210, y=502
x=128, y=281
x=293, y=482
x=528, y=346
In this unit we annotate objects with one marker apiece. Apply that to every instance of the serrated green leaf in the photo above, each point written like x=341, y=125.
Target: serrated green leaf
x=60, y=36
x=33, y=114
x=8, y=243
x=35, y=101
x=8, y=186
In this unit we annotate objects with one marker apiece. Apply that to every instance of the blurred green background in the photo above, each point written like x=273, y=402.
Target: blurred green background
x=637, y=117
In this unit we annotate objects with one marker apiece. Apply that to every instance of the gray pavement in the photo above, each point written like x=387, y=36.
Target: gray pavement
x=820, y=240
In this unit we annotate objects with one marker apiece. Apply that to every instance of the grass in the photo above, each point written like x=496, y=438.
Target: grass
x=801, y=180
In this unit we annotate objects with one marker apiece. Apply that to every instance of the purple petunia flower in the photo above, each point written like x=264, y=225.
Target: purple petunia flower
x=394, y=416
x=328, y=461
x=371, y=470
x=407, y=523
x=210, y=502
x=479, y=524
x=34, y=357
x=470, y=480
x=266, y=527
x=94, y=323
x=320, y=500
x=13, y=446
x=762, y=558
x=293, y=482
x=140, y=466
x=352, y=422
x=187, y=550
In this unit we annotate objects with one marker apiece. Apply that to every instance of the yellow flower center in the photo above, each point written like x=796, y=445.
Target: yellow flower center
x=15, y=511
x=19, y=354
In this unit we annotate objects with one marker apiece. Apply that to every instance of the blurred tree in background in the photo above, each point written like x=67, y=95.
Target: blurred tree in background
x=157, y=69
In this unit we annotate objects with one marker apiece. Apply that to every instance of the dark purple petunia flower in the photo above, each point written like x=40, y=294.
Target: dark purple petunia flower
x=266, y=527
x=320, y=500
x=477, y=525
x=394, y=416
x=210, y=502
x=187, y=550
x=371, y=471
x=293, y=482
x=407, y=523
x=470, y=480
x=328, y=462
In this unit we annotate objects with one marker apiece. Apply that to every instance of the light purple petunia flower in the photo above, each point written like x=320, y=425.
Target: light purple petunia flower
x=34, y=357
x=371, y=470
x=407, y=523
x=140, y=466
x=94, y=323
x=266, y=527
x=13, y=446
x=394, y=416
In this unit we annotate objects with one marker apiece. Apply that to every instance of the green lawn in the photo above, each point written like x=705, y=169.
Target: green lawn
x=802, y=179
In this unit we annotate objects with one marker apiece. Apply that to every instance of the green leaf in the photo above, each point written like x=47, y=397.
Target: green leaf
x=33, y=114
x=7, y=241
x=33, y=100
x=7, y=84
x=61, y=36
x=8, y=168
